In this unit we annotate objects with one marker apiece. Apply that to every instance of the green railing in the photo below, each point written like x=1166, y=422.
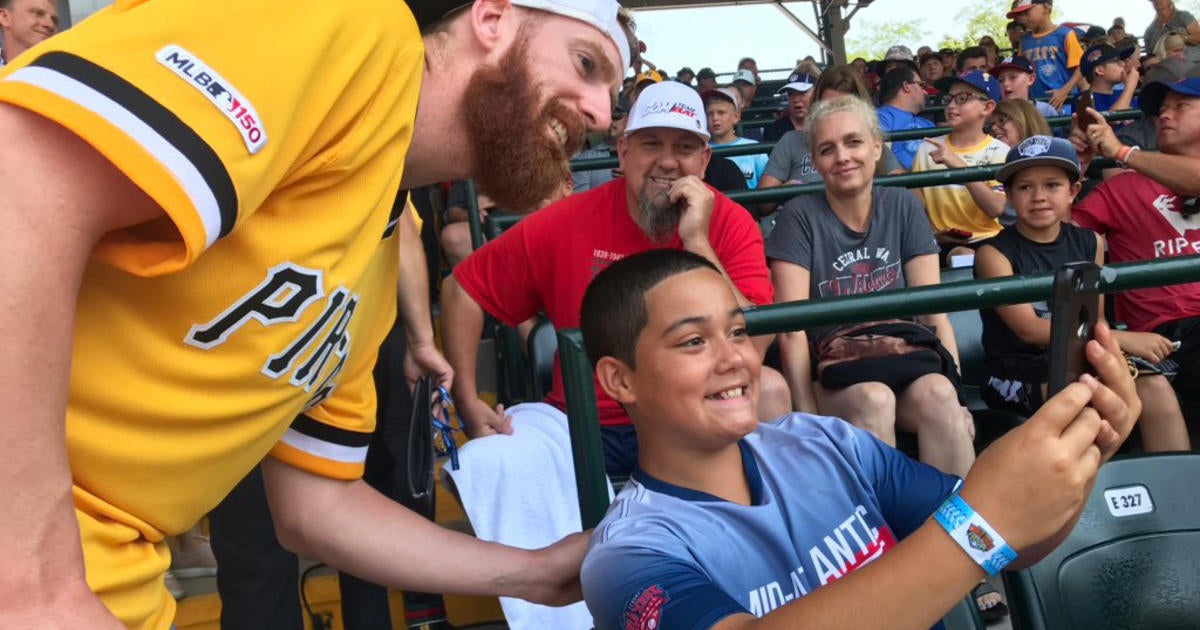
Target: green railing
x=587, y=448
x=593, y=164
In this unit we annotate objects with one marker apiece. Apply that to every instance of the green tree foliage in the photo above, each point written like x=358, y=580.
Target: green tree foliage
x=982, y=17
x=870, y=40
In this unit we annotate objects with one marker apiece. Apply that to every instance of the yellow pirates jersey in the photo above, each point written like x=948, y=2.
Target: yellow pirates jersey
x=245, y=321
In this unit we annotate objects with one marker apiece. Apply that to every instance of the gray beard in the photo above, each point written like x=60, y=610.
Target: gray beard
x=658, y=217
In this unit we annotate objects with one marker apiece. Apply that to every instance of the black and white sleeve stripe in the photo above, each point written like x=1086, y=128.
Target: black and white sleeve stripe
x=325, y=441
x=178, y=148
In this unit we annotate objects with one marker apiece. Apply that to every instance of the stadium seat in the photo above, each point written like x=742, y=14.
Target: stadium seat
x=1132, y=561
x=540, y=349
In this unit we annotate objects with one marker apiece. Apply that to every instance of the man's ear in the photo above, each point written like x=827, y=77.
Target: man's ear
x=614, y=378
x=622, y=149
x=492, y=23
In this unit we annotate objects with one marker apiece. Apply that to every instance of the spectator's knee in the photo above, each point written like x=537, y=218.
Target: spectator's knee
x=875, y=399
x=935, y=404
x=456, y=242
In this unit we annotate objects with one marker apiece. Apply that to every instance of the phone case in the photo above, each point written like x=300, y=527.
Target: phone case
x=1074, y=310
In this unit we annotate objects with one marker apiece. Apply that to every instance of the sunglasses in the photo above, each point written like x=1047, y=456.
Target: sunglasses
x=444, y=429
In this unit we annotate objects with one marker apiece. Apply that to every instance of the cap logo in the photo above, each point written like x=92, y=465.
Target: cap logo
x=667, y=107
x=1033, y=147
x=1008, y=60
x=1095, y=55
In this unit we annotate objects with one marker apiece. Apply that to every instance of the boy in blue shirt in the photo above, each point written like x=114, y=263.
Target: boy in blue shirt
x=1112, y=75
x=1054, y=50
x=729, y=524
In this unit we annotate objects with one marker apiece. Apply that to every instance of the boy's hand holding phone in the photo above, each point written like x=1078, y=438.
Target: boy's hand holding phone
x=1030, y=483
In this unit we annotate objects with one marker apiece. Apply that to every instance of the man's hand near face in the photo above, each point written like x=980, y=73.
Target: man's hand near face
x=695, y=201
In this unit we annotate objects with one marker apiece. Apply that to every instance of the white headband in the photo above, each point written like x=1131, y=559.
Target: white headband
x=601, y=14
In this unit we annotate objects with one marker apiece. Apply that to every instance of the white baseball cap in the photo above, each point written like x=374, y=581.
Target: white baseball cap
x=602, y=14
x=671, y=105
x=745, y=76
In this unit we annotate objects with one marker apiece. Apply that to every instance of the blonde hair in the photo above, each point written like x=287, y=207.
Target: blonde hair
x=1172, y=41
x=844, y=104
x=1024, y=115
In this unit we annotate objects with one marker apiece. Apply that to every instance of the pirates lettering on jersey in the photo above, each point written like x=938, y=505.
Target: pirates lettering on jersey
x=283, y=297
x=851, y=545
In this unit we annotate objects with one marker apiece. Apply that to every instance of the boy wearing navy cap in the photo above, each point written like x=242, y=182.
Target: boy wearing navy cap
x=1041, y=178
x=1112, y=75
x=1015, y=75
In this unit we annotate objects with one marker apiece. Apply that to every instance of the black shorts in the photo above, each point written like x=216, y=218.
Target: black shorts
x=944, y=253
x=1187, y=333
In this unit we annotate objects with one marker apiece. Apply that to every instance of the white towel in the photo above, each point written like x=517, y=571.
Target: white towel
x=520, y=490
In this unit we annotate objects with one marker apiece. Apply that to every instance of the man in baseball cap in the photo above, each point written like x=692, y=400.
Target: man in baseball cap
x=547, y=261
x=153, y=151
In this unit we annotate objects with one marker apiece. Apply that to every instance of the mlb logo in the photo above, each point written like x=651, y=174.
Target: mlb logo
x=1035, y=146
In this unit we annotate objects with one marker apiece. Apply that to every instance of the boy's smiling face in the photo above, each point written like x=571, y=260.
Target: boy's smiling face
x=697, y=373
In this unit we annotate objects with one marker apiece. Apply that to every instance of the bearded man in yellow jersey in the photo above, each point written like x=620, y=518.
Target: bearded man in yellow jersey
x=199, y=263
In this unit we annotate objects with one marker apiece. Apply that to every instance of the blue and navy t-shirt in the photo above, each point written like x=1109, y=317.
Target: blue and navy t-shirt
x=1105, y=102
x=1054, y=56
x=826, y=499
x=896, y=119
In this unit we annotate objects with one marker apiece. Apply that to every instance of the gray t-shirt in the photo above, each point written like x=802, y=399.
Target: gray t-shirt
x=1178, y=23
x=841, y=261
x=791, y=160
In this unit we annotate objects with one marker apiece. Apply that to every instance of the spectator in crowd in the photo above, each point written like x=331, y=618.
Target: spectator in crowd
x=1014, y=31
x=903, y=97
x=1092, y=36
x=973, y=59
x=662, y=154
x=859, y=238
x=1016, y=77
x=746, y=84
x=897, y=56
x=1172, y=46
x=1119, y=37
x=748, y=63
x=1054, y=51
x=1112, y=77
x=643, y=81
x=860, y=64
x=1041, y=178
x=964, y=214
x=685, y=75
x=808, y=66
x=274, y=238
x=1013, y=120
x=923, y=50
x=1150, y=213
x=993, y=51
x=721, y=108
x=844, y=80
x=601, y=147
x=706, y=80
x=949, y=60
x=722, y=174
x=24, y=23
x=932, y=70
x=1142, y=132
x=1169, y=19
x=798, y=89
x=727, y=519
x=455, y=237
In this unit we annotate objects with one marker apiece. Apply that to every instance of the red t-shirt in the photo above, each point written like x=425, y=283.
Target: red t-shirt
x=1141, y=220
x=546, y=261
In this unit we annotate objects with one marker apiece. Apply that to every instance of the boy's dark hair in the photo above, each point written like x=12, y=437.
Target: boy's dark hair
x=974, y=52
x=614, y=307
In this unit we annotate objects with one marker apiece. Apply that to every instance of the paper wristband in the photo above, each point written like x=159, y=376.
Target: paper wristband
x=981, y=542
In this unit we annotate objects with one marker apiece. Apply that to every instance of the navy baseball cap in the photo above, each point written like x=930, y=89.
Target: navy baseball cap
x=979, y=79
x=1040, y=151
x=1153, y=95
x=1100, y=54
x=1015, y=62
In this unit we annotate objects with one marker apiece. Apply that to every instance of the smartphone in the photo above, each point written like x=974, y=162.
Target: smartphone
x=1074, y=309
x=1082, y=102
x=959, y=234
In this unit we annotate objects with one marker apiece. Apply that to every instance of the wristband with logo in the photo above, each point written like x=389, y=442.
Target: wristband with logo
x=979, y=539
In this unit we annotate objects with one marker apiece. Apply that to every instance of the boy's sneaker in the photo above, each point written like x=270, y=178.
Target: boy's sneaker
x=174, y=586
x=192, y=557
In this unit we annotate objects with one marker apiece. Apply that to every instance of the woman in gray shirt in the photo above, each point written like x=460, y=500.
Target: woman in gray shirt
x=857, y=238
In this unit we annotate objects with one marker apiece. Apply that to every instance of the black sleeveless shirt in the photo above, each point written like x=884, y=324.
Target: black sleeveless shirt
x=1006, y=356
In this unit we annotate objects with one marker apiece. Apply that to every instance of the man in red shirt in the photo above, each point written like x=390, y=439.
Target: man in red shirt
x=1150, y=212
x=545, y=262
